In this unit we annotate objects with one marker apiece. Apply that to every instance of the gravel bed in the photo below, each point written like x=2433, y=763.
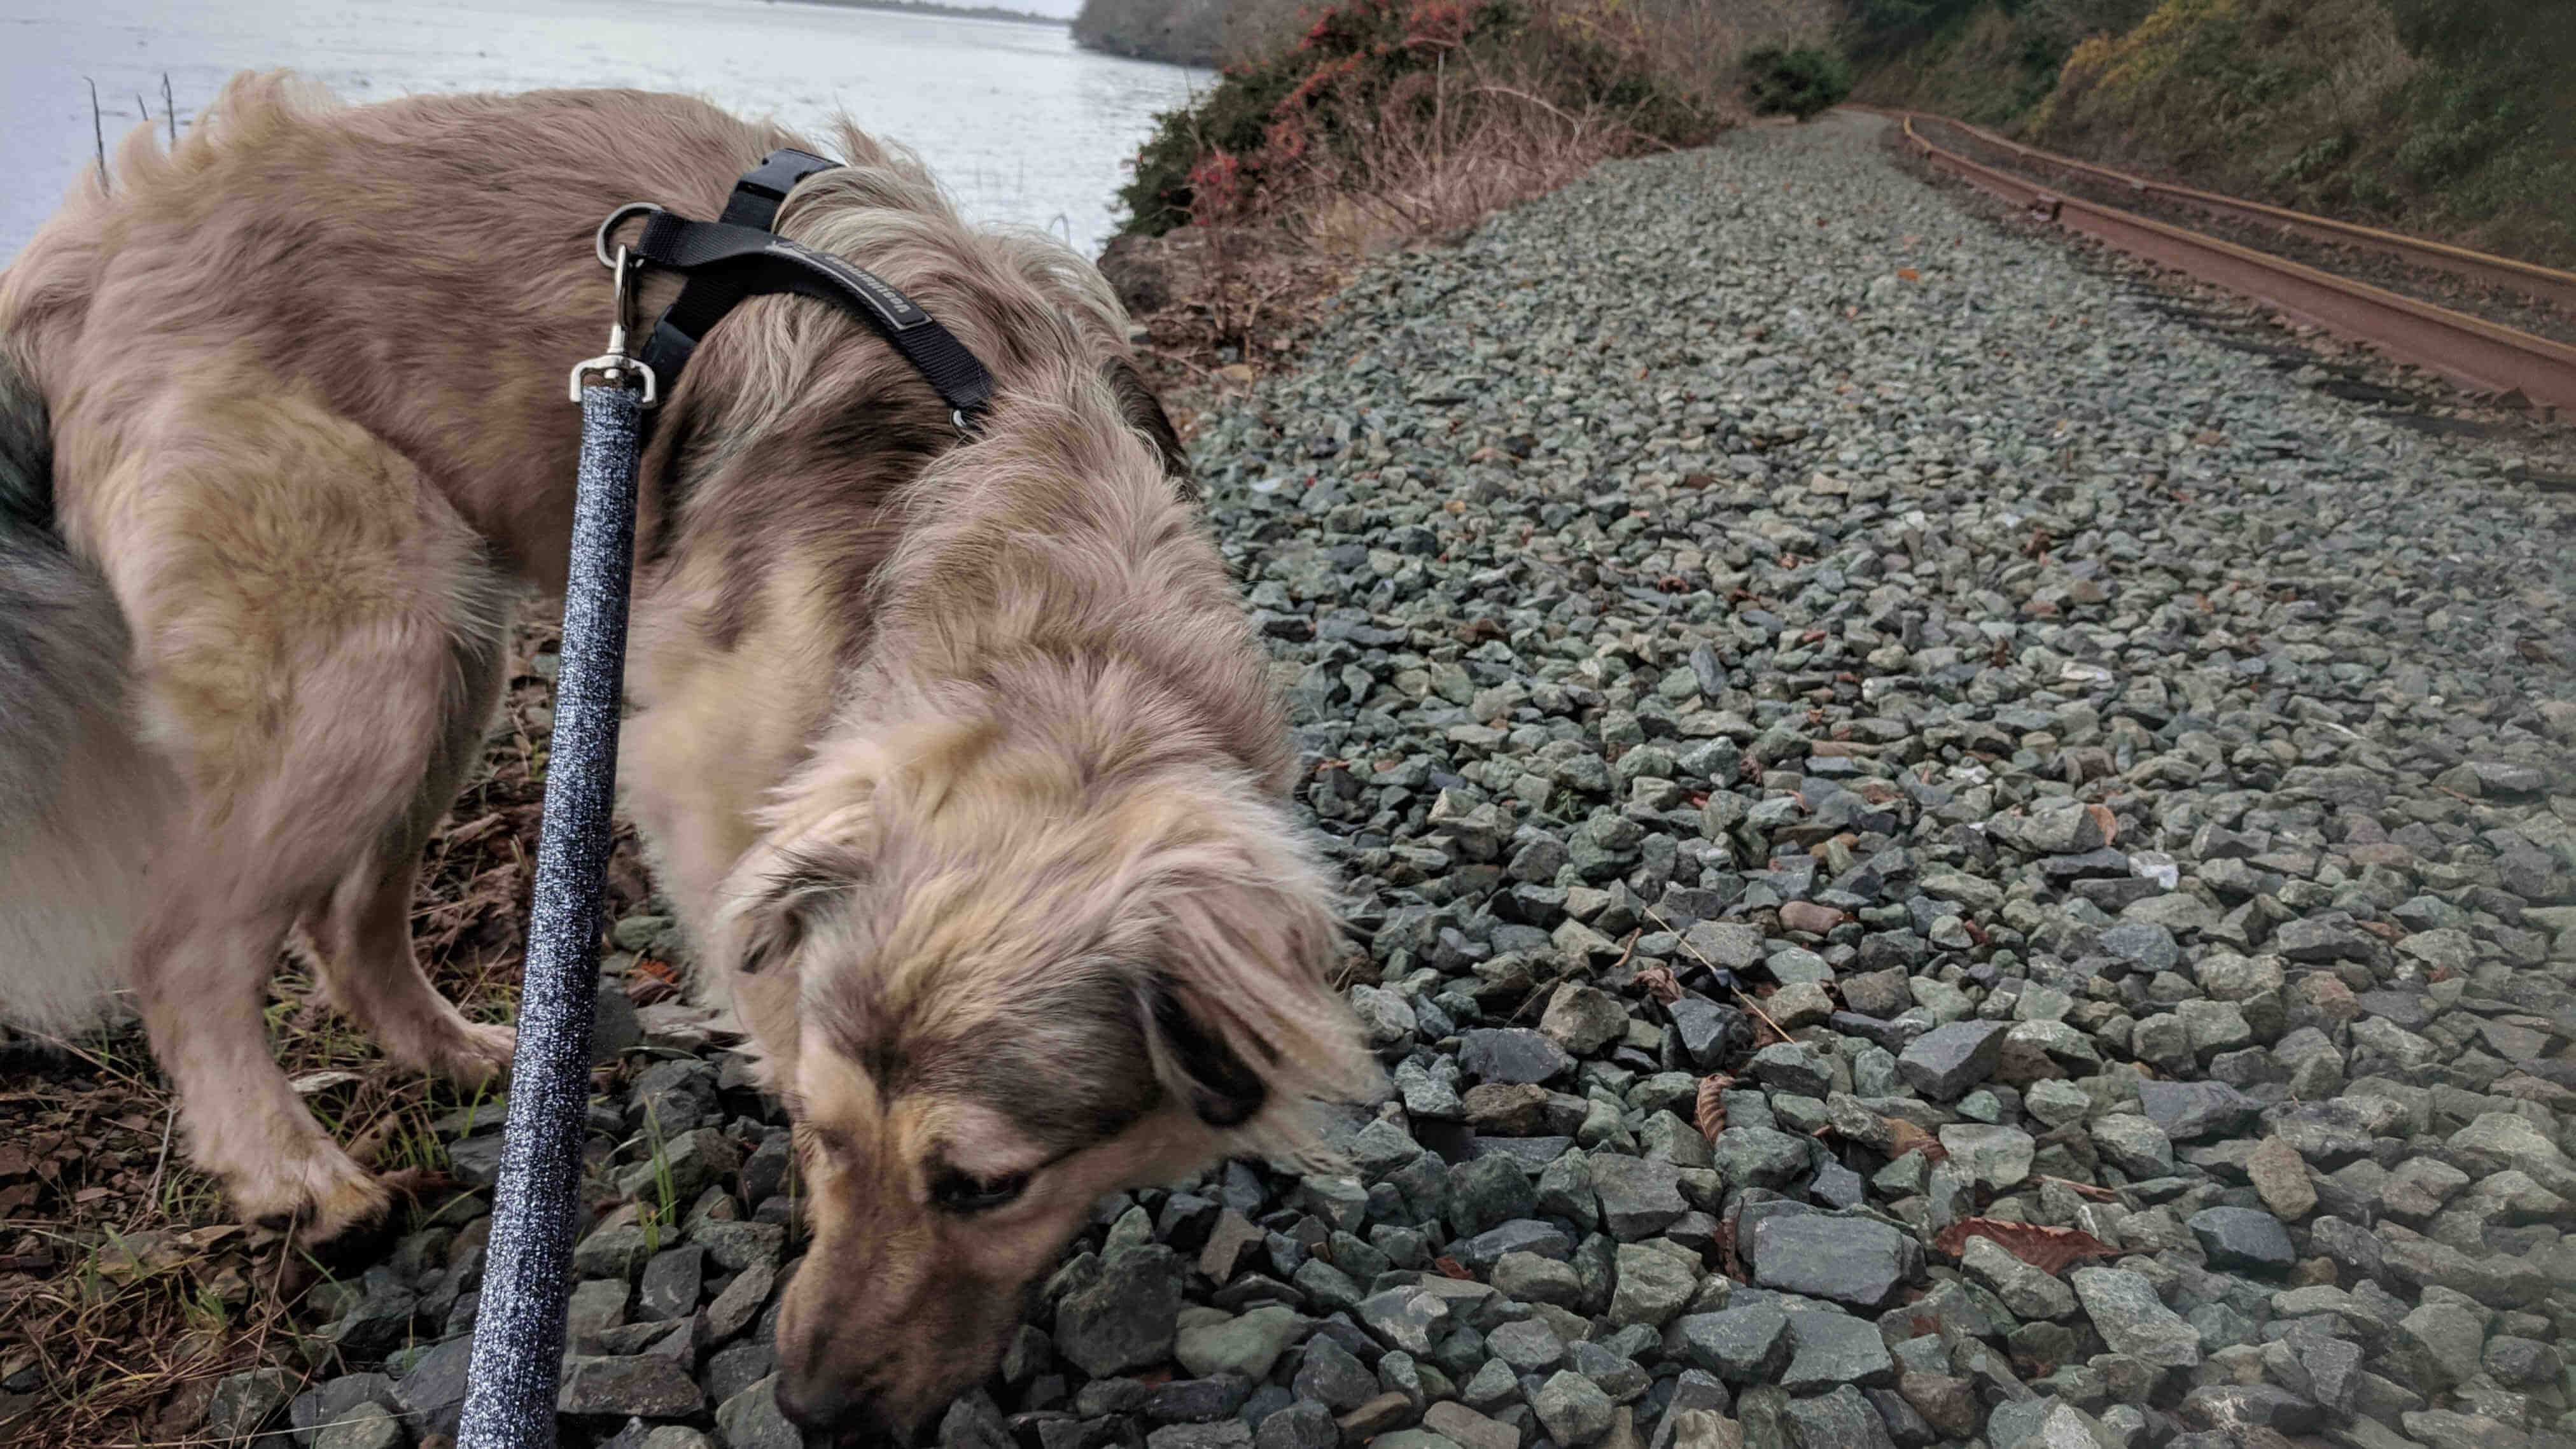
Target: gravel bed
x=1742, y=595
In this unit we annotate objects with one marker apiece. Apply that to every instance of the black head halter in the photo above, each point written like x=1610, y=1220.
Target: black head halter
x=739, y=256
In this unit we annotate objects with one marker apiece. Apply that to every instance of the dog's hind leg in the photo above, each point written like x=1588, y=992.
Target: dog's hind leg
x=362, y=934
x=294, y=589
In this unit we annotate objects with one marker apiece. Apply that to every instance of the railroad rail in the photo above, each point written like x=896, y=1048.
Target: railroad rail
x=2546, y=284
x=2472, y=352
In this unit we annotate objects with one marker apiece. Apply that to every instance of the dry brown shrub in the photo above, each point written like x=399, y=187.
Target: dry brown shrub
x=1414, y=161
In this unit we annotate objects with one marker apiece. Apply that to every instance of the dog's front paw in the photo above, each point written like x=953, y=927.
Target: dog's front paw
x=476, y=1055
x=322, y=1198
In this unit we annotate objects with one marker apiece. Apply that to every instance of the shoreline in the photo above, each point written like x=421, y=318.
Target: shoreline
x=945, y=12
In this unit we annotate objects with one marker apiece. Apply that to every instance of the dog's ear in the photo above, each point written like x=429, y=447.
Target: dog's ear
x=1194, y=1061
x=1144, y=412
x=776, y=923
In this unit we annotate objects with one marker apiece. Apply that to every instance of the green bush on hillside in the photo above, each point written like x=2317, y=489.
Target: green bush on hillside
x=2455, y=118
x=2500, y=75
x=1799, y=80
x=1234, y=120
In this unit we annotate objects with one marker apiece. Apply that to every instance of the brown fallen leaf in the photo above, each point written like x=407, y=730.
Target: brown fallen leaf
x=1727, y=1261
x=1710, y=1113
x=650, y=982
x=1452, y=1268
x=1904, y=1137
x=2109, y=822
x=1661, y=984
x=2050, y=1250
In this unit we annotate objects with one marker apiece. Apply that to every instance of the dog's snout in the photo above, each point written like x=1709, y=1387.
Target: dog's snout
x=820, y=1403
x=846, y=1413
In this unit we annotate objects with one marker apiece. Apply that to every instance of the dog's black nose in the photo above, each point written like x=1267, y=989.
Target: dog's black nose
x=842, y=1415
x=818, y=1403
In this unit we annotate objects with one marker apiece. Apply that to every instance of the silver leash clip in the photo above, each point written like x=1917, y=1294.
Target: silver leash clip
x=614, y=366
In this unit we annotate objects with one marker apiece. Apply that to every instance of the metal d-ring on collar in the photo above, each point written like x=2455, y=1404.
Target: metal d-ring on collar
x=726, y=261
x=614, y=366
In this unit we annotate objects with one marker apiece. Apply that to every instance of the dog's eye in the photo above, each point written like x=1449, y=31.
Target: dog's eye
x=955, y=1192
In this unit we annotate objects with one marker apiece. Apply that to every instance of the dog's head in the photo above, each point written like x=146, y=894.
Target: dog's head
x=993, y=984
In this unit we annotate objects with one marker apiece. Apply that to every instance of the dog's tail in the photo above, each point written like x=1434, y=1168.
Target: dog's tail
x=57, y=620
x=79, y=797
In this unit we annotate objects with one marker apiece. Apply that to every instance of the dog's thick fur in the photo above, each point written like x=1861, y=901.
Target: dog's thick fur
x=955, y=756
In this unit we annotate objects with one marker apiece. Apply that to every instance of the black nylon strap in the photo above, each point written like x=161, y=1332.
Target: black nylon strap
x=726, y=261
x=757, y=195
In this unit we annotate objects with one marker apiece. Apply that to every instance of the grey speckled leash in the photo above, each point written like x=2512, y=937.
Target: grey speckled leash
x=519, y=1327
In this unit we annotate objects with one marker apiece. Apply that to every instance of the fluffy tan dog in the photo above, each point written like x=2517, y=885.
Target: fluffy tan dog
x=955, y=756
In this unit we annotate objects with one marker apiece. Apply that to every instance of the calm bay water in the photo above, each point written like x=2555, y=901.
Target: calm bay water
x=1020, y=125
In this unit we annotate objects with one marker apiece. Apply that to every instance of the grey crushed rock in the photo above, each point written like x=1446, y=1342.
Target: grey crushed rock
x=2113, y=760
x=1848, y=1260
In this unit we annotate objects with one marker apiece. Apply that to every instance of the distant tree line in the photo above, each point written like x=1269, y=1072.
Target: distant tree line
x=1187, y=32
x=929, y=7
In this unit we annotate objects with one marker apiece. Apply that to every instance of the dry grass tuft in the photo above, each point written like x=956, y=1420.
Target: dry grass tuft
x=1429, y=176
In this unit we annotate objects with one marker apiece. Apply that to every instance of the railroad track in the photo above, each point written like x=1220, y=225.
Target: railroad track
x=2545, y=284
x=2472, y=352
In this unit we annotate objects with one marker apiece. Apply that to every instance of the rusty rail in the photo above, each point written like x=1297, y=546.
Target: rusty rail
x=2546, y=284
x=2471, y=351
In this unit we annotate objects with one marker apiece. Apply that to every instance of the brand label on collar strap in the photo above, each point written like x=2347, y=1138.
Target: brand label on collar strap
x=894, y=307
